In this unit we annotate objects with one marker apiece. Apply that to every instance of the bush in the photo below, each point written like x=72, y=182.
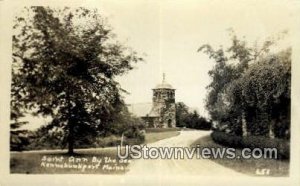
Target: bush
x=18, y=140
x=252, y=142
x=107, y=141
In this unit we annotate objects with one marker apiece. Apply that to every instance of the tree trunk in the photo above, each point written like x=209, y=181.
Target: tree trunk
x=71, y=138
x=244, y=125
x=271, y=129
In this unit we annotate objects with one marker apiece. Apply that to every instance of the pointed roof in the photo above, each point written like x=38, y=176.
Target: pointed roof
x=164, y=84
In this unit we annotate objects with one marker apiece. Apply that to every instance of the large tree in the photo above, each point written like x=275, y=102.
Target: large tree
x=266, y=88
x=65, y=62
x=228, y=100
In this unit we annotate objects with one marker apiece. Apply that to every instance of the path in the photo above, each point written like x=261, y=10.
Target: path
x=169, y=167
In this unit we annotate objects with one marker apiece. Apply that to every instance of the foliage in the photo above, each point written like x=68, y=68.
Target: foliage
x=266, y=88
x=48, y=137
x=230, y=140
x=182, y=112
x=193, y=120
x=65, y=62
x=250, y=85
x=18, y=137
x=125, y=123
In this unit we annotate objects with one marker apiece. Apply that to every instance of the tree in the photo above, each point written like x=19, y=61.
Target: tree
x=185, y=118
x=181, y=114
x=267, y=87
x=126, y=124
x=227, y=98
x=65, y=62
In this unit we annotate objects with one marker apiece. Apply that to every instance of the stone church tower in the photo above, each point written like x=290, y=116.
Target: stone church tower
x=163, y=106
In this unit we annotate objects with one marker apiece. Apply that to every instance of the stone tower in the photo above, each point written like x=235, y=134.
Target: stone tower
x=163, y=105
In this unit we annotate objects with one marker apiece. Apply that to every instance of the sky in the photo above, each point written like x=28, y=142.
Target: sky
x=168, y=33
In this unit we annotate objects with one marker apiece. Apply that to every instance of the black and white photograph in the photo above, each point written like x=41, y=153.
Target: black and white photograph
x=150, y=90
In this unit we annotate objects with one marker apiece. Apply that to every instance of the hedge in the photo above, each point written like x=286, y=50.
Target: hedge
x=283, y=146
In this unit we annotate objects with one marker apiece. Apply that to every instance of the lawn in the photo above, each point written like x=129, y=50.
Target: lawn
x=152, y=137
x=247, y=166
x=89, y=161
x=86, y=161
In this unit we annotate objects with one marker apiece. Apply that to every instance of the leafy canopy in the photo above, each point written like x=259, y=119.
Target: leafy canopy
x=65, y=62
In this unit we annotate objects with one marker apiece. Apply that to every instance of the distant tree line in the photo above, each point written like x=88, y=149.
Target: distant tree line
x=187, y=119
x=250, y=89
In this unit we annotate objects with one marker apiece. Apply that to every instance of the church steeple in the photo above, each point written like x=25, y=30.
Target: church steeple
x=164, y=84
x=163, y=108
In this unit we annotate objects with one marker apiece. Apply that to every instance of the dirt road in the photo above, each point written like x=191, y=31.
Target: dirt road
x=171, y=167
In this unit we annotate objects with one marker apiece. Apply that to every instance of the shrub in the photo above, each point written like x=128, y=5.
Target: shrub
x=107, y=141
x=18, y=140
x=252, y=142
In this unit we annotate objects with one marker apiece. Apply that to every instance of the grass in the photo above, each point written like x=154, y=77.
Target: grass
x=152, y=137
x=32, y=162
x=252, y=142
x=250, y=166
x=150, y=130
